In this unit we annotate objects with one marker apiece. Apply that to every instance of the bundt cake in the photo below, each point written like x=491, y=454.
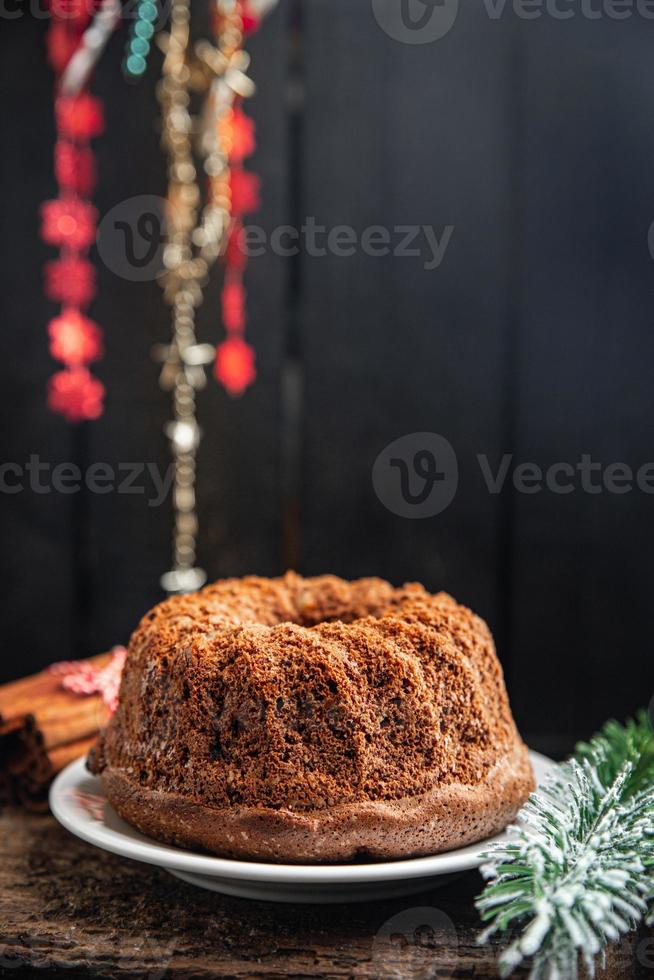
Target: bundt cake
x=312, y=720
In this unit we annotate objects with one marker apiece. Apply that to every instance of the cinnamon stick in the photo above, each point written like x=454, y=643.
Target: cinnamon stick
x=43, y=683
x=42, y=728
x=69, y=722
x=25, y=769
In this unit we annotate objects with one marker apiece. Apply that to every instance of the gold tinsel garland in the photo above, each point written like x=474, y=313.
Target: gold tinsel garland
x=196, y=234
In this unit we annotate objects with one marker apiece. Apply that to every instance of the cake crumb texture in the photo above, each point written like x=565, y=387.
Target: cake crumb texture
x=318, y=719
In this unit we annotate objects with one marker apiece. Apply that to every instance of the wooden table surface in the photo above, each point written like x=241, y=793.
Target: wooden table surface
x=68, y=909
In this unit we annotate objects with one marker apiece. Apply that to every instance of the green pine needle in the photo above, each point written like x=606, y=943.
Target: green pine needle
x=578, y=870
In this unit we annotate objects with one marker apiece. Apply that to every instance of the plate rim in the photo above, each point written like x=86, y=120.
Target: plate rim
x=126, y=844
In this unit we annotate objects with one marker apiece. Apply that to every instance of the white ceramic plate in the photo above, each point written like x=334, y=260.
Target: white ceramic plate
x=77, y=801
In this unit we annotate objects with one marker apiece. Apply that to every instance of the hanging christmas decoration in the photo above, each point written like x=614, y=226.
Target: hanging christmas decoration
x=76, y=37
x=234, y=366
x=140, y=39
x=198, y=233
x=200, y=228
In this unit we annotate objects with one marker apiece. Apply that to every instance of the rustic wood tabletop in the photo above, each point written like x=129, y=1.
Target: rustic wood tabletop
x=70, y=910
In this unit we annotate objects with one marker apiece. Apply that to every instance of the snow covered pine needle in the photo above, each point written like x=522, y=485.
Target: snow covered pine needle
x=578, y=869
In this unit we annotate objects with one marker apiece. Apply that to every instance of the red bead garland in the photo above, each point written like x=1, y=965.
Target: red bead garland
x=244, y=190
x=70, y=222
x=237, y=135
x=235, y=358
x=70, y=280
x=79, y=117
x=75, y=394
x=74, y=339
x=234, y=366
x=75, y=168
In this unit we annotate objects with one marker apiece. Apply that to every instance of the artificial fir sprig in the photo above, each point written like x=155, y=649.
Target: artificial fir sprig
x=578, y=870
x=632, y=742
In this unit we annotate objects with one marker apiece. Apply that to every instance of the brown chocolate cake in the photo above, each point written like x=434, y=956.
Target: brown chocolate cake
x=309, y=720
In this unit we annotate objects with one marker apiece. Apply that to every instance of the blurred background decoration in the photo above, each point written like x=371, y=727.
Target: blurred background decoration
x=532, y=335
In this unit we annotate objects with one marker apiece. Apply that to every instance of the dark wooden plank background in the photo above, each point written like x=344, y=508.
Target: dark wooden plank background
x=534, y=337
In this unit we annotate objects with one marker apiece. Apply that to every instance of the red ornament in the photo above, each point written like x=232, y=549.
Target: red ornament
x=69, y=222
x=250, y=23
x=79, y=117
x=70, y=281
x=234, y=366
x=237, y=135
x=74, y=339
x=75, y=394
x=61, y=43
x=233, y=306
x=75, y=12
x=235, y=255
x=249, y=18
x=75, y=168
x=244, y=189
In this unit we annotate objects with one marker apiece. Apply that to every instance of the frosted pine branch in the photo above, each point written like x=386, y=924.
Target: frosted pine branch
x=578, y=870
